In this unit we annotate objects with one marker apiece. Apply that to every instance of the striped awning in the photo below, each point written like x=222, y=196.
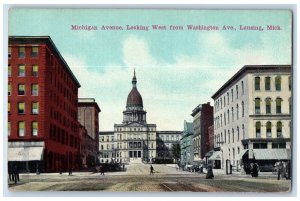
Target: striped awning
x=272, y=154
x=217, y=155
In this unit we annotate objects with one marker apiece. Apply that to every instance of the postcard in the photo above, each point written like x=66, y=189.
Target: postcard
x=149, y=100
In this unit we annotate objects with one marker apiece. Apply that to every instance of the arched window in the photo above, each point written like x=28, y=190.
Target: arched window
x=231, y=95
x=257, y=129
x=224, y=136
x=238, y=133
x=268, y=105
x=269, y=129
x=232, y=135
x=278, y=83
x=267, y=83
x=257, y=105
x=278, y=105
x=221, y=119
x=237, y=91
x=232, y=114
x=257, y=83
x=237, y=111
x=228, y=136
x=243, y=109
x=279, y=129
x=224, y=101
x=227, y=98
x=225, y=118
x=221, y=103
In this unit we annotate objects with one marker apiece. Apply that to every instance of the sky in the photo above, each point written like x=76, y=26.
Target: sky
x=176, y=70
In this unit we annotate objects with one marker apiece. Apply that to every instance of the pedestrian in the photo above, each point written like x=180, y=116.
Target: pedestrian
x=16, y=174
x=209, y=174
x=101, y=170
x=70, y=171
x=288, y=170
x=254, y=170
x=10, y=172
x=151, y=170
x=280, y=169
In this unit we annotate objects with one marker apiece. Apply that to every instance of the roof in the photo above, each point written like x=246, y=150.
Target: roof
x=217, y=155
x=88, y=102
x=254, y=69
x=106, y=132
x=134, y=98
x=16, y=40
x=272, y=154
x=168, y=132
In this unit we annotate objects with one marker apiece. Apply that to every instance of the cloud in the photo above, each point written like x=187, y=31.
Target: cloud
x=170, y=91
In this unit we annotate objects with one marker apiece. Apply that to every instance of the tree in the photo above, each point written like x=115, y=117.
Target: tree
x=176, y=151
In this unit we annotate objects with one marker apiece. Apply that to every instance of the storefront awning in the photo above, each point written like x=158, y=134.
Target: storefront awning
x=215, y=156
x=25, y=153
x=242, y=153
x=272, y=154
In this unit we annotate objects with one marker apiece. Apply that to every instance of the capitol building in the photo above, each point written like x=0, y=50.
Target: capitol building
x=134, y=140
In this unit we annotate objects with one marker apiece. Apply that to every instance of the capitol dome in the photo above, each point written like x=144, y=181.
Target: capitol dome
x=134, y=98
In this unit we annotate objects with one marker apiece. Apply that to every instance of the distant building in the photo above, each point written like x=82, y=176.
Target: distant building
x=42, y=107
x=164, y=142
x=252, y=116
x=86, y=145
x=203, y=118
x=186, y=144
x=107, y=151
x=88, y=116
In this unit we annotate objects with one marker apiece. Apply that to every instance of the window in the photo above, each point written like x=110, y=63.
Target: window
x=21, y=89
x=238, y=133
x=228, y=136
x=21, y=108
x=278, y=83
x=279, y=129
x=237, y=111
x=258, y=127
x=35, y=108
x=237, y=91
x=34, y=51
x=225, y=118
x=278, y=146
x=243, y=130
x=260, y=146
x=224, y=101
x=34, y=70
x=227, y=98
x=232, y=114
x=9, y=52
x=267, y=83
x=242, y=87
x=231, y=95
x=9, y=70
x=9, y=89
x=224, y=136
x=21, y=72
x=278, y=105
x=8, y=128
x=232, y=135
x=257, y=83
x=21, y=127
x=268, y=105
x=269, y=129
x=34, y=89
x=257, y=105
x=34, y=125
x=243, y=109
x=228, y=116
x=21, y=52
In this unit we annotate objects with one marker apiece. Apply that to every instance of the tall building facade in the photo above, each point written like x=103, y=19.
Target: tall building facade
x=107, y=151
x=186, y=144
x=134, y=138
x=42, y=106
x=88, y=117
x=203, y=118
x=252, y=115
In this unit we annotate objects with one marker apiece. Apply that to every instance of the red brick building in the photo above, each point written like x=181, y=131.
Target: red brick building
x=42, y=107
x=203, y=118
x=88, y=117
